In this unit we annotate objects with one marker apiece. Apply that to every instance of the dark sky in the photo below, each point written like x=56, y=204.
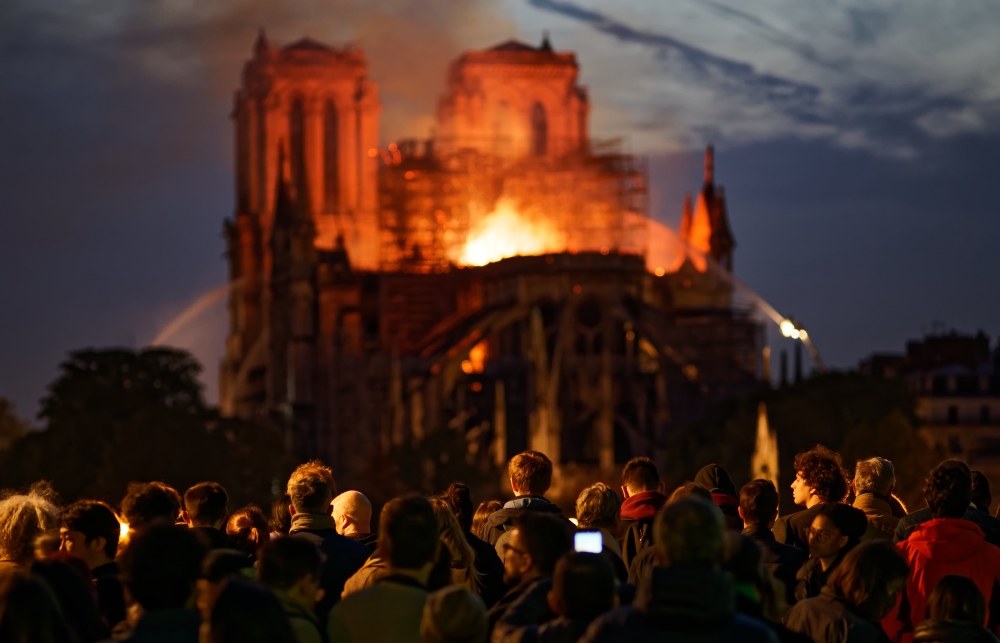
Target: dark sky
x=860, y=163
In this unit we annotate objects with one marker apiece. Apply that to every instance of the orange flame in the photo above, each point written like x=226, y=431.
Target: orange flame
x=505, y=233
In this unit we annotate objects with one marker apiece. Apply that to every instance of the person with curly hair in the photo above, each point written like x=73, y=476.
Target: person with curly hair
x=989, y=524
x=947, y=544
x=820, y=479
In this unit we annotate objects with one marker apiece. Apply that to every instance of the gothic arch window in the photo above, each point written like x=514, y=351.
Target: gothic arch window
x=331, y=164
x=501, y=128
x=297, y=141
x=539, y=131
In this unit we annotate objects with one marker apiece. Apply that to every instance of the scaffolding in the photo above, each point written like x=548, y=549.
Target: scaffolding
x=596, y=199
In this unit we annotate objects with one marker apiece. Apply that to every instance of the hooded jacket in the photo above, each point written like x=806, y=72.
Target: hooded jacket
x=496, y=528
x=986, y=522
x=947, y=632
x=638, y=511
x=935, y=549
x=720, y=485
x=681, y=604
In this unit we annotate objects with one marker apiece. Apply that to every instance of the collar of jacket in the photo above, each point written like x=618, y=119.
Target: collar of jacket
x=688, y=592
x=523, y=502
x=643, y=505
x=872, y=502
x=402, y=579
x=757, y=532
x=311, y=522
x=296, y=610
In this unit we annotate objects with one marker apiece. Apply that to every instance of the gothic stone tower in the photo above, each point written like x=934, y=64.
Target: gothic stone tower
x=514, y=100
x=306, y=118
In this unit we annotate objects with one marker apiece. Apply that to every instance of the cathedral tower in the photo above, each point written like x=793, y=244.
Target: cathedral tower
x=307, y=114
x=515, y=101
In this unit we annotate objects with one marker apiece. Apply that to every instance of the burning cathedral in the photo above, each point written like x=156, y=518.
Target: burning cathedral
x=500, y=280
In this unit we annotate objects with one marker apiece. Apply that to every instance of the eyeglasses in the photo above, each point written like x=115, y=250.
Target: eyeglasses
x=822, y=535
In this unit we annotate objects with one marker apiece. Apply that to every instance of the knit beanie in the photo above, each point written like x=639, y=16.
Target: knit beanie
x=453, y=615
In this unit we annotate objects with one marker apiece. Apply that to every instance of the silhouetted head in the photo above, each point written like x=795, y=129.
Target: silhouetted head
x=948, y=489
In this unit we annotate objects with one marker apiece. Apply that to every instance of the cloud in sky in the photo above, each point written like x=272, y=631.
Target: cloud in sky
x=877, y=76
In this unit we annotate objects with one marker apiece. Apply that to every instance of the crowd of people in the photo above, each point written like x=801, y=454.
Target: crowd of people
x=707, y=562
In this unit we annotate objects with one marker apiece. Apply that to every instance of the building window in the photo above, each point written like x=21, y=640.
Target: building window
x=952, y=415
x=297, y=143
x=331, y=165
x=539, y=131
x=984, y=415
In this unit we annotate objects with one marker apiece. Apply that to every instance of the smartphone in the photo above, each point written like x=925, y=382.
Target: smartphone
x=590, y=542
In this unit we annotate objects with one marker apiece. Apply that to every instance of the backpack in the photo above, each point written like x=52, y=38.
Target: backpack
x=638, y=537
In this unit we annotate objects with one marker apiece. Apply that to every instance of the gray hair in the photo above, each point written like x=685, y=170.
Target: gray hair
x=23, y=518
x=598, y=507
x=874, y=475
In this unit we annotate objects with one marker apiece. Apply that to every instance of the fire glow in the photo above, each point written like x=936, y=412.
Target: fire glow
x=506, y=233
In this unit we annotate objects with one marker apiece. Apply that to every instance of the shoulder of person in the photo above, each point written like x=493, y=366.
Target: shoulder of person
x=610, y=627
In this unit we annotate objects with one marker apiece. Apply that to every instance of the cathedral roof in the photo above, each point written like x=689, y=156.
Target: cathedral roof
x=307, y=44
x=513, y=45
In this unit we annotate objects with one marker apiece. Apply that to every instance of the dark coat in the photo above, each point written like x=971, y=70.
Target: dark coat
x=342, y=557
x=490, y=569
x=811, y=578
x=530, y=610
x=826, y=619
x=638, y=511
x=680, y=604
x=946, y=632
x=502, y=521
x=717, y=481
x=513, y=595
x=216, y=538
x=110, y=594
x=783, y=561
x=368, y=540
x=793, y=529
x=986, y=522
x=167, y=626
x=641, y=566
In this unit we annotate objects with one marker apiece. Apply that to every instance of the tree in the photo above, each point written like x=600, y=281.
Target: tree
x=11, y=426
x=116, y=416
x=858, y=417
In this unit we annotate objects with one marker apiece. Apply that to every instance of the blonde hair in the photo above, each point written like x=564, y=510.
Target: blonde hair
x=463, y=556
x=312, y=469
x=598, y=507
x=23, y=518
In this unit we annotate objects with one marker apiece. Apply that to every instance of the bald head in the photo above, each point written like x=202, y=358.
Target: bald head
x=352, y=513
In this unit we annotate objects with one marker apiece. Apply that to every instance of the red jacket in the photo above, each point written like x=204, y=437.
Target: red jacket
x=939, y=548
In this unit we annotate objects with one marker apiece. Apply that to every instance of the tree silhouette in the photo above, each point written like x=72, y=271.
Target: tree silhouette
x=116, y=416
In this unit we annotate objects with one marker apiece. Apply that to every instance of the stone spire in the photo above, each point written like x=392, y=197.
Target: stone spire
x=686, y=218
x=710, y=166
x=546, y=43
x=261, y=46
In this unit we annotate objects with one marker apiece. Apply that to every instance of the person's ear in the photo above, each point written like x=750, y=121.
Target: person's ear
x=526, y=562
x=625, y=491
x=513, y=486
x=185, y=517
x=98, y=544
x=291, y=510
x=739, y=510
x=843, y=541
